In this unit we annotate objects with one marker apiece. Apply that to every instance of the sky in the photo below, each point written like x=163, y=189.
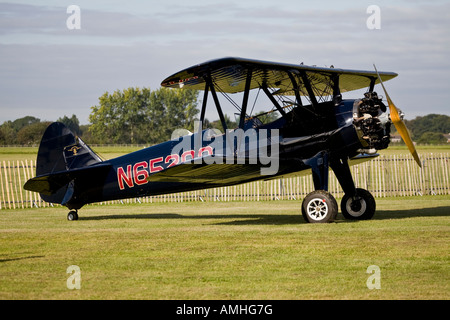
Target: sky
x=49, y=70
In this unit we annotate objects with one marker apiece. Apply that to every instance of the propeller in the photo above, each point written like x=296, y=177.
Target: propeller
x=399, y=124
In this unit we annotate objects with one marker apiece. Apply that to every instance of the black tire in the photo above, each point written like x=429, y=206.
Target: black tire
x=319, y=207
x=360, y=207
x=72, y=215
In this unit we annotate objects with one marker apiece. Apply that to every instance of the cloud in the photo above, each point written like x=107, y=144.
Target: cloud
x=45, y=66
x=24, y=18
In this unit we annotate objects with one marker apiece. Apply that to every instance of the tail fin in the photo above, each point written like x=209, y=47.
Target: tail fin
x=60, y=152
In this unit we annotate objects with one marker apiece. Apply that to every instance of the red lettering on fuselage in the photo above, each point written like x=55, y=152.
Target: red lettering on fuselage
x=154, y=168
x=174, y=158
x=138, y=173
x=187, y=154
x=207, y=150
x=140, y=176
x=121, y=177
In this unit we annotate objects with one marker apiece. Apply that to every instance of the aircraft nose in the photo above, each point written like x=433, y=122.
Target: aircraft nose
x=372, y=122
x=396, y=117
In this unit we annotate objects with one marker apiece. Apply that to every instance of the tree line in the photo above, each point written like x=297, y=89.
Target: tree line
x=143, y=116
x=130, y=116
x=429, y=129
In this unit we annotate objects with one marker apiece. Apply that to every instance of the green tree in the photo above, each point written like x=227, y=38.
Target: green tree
x=72, y=123
x=217, y=124
x=32, y=134
x=9, y=129
x=267, y=117
x=23, y=122
x=437, y=123
x=86, y=134
x=137, y=115
x=8, y=135
x=431, y=138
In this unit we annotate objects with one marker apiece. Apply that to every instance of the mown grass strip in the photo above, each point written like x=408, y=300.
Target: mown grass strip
x=234, y=250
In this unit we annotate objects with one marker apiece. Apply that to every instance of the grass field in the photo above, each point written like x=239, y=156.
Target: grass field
x=233, y=250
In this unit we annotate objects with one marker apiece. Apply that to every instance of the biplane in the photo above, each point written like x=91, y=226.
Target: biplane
x=315, y=130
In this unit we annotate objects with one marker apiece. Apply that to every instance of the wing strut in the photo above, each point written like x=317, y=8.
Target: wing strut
x=296, y=89
x=216, y=102
x=273, y=100
x=205, y=100
x=337, y=97
x=308, y=87
x=372, y=84
x=248, y=82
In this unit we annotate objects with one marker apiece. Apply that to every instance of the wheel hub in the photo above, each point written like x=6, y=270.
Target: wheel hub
x=356, y=206
x=317, y=209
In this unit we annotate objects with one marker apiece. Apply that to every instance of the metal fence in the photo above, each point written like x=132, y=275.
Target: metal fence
x=385, y=176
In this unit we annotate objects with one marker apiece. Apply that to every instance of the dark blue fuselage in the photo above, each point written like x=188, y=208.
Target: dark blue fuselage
x=297, y=140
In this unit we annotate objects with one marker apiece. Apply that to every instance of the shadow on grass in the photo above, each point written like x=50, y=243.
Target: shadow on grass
x=19, y=258
x=411, y=213
x=274, y=219
x=277, y=219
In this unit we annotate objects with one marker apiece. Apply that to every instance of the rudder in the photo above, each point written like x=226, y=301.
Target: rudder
x=60, y=150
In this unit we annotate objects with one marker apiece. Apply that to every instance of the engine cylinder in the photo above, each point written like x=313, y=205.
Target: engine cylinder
x=371, y=121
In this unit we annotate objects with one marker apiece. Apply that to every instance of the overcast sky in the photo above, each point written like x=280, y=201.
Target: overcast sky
x=48, y=70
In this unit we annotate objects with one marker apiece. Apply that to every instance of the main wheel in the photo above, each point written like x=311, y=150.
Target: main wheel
x=319, y=207
x=359, y=207
x=72, y=215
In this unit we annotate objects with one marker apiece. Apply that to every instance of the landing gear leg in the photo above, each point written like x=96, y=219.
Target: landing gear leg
x=72, y=215
x=357, y=204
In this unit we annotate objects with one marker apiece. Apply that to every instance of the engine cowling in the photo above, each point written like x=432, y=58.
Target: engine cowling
x=372, y=123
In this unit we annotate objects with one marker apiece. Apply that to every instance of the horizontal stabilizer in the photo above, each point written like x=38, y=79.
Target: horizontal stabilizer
x=49, y=184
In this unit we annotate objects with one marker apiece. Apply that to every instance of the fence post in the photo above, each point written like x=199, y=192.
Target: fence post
x=445, y=166
x=392, y=175
x=7, y=185
x=1, y=183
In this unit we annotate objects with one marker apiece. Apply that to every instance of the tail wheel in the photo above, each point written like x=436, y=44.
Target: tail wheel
x=319, y=207
x=359, y=207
